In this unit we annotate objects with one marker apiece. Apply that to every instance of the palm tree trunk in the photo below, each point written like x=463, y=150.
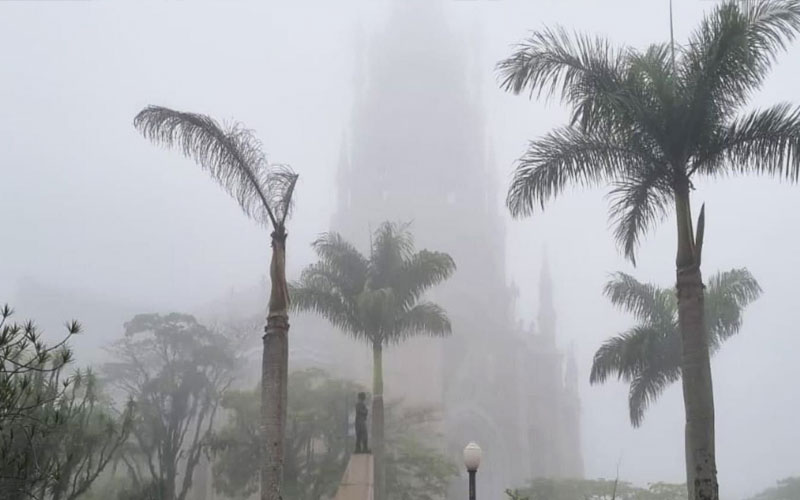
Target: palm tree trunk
x=274, y=372
x=378, y=444
x=698, y=392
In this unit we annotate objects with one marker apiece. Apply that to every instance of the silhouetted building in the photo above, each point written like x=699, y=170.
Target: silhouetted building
x=418, y=150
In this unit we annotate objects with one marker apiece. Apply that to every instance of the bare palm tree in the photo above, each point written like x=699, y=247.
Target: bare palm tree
x=234, y=158
x=648, y=356
x=648, y=123
x=376, y=300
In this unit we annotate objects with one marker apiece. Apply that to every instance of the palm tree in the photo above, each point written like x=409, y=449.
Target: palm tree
x=648, y=356
x=648, y=123
x=234, y=158
x=377, y=300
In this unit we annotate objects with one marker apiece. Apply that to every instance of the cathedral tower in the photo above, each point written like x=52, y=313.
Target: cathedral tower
x=417, y=150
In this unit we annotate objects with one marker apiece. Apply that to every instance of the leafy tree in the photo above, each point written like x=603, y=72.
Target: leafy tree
x=376, y=300
x=415, y=468
x=234, y=158
x=57, y=433
x=786, y=489
x=648, y=123
x=648, y=356
x=318, y=446
x=175, y=370
x=595, y=489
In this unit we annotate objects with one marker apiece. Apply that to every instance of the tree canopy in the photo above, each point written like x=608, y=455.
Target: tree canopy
x=58, y=431
x=377, y=299
x=176, y=371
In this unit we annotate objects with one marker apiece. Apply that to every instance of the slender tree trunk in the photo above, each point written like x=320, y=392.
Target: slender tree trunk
x=274, y=372
x=698, y=393
x=378, y=443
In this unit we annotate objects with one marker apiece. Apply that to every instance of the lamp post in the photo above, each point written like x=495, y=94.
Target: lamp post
x=472, y=459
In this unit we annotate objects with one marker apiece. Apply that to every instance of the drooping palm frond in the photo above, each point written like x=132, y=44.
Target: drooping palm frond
x=343, y=259
x=425, y=318
x=313, y=293
x=646, y=388
x=420, y=272
x=568, y=156
x=280, y=180
x=763, y=142
x=647, y=357
x=727, y=295
x=646, y=302
x=233, y=156
x=730, y=54
x=640, y=202
x=624, y=355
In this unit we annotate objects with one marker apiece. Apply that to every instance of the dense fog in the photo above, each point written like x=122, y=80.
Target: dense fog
x=99, y=224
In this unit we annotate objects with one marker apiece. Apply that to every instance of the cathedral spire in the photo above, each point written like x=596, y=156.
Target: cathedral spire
x=547, y=312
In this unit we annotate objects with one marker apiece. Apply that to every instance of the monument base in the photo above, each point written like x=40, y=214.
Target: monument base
x=356, y=482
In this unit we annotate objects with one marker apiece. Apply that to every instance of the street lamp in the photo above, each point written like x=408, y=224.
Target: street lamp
x=472, y=459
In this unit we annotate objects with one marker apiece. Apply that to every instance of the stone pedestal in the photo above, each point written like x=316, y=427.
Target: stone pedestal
x=357, y=480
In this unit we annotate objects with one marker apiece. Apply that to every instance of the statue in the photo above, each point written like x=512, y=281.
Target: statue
x=361, y=424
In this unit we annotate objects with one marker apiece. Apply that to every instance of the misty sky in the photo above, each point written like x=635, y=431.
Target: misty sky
x=89, y=205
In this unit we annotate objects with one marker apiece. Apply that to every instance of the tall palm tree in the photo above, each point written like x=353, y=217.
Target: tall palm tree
x=234, y=158
x=377, y=300
x=648, y=356
x=648, y=123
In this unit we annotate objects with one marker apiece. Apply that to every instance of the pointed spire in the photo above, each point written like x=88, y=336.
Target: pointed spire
x=547, y=312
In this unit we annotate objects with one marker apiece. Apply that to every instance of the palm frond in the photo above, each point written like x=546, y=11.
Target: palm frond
x=392, y=245
x=377, y=308
x=645, y=301
x=729, y=55
x=420, y=272
x=315, y=296
x=640, y=202
x=425, y=318
x=568, y=156
x=232, y=156
x=344, y=260
x=764, y=142
x=649, y=355
x=586, y=72
x=646, y=388
x=280, y=181
x=625, y=355
x=727, y=295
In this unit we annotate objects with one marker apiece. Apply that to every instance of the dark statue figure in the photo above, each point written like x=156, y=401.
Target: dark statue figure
x=361, y=424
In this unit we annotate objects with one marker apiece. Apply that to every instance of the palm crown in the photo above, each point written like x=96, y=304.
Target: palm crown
x=649, y=122
x=648, y=356
x=375, y=299
x=232, y=155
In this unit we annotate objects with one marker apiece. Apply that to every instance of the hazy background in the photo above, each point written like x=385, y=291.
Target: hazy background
x=90, y=207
